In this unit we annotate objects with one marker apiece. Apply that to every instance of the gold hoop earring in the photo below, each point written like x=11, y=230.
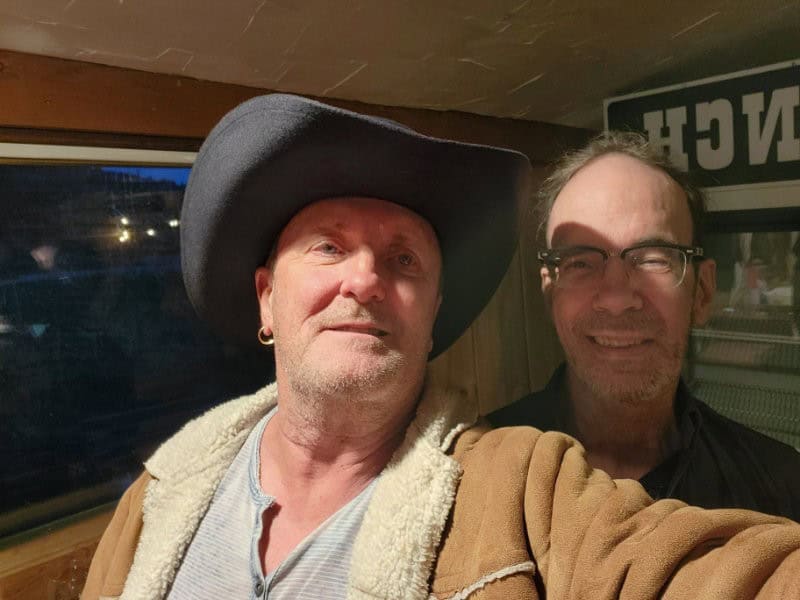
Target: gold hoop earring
x=264, y=338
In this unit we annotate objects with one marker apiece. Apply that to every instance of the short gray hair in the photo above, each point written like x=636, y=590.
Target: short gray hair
x=632, y=144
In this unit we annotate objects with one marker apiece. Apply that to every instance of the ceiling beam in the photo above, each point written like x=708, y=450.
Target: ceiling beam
x=43, y=93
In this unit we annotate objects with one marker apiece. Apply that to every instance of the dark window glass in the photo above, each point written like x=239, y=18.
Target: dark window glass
x=746, y=362
x=101, y=355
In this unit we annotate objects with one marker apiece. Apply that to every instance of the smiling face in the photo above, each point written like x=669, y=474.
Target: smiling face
x=351, y=298
x=622, y=341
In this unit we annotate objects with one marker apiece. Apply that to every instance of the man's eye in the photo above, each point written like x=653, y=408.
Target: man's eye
x=654, y=260
x=575, y=264
x=406, y=260
x=328, y=249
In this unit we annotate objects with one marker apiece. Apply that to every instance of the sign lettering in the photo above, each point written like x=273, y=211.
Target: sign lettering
x=734, y=129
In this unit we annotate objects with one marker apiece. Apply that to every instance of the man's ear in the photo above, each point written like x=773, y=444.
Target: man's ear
x=704, y=290
x=264, y=279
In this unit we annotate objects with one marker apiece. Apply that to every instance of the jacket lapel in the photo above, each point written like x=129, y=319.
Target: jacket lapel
x=187, y=470
x=396, y=547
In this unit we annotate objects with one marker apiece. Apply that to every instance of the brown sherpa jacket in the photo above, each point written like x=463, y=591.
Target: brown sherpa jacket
x=465, y=512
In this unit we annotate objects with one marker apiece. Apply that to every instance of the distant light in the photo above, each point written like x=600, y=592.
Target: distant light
x=125, y=236
x=125, y=221
x=173, y=223
x=151, y=232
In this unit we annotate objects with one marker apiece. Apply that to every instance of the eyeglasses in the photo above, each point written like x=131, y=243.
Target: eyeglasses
x=649, y=265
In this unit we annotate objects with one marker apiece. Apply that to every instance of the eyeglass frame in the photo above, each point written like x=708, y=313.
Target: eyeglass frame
x=690, y=253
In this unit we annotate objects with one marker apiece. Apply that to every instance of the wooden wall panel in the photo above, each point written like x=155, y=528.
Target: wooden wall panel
x=544, y=350
x=51, y=93
x=59, y=578
x=53, y=565
x=456, y=367
x=500, y=344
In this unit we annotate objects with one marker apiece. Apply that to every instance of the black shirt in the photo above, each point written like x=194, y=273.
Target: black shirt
x=720, y=463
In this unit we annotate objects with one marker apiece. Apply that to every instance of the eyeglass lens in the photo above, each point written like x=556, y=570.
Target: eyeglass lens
x=648, y=265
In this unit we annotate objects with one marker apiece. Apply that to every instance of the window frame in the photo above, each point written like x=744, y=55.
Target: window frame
x=28, y=146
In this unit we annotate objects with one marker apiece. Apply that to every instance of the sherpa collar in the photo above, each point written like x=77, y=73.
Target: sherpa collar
x=396, y=547
x=187, y=470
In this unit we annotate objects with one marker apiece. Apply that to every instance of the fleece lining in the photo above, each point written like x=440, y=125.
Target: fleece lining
x=406, y=516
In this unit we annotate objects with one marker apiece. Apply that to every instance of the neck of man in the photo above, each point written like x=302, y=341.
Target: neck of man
x=323, y=451
x=626, y=438
x=317, y=454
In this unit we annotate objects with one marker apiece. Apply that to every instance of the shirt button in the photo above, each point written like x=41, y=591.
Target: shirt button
x=259, y=589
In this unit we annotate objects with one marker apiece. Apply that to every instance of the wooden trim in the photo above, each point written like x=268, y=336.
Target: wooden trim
x=43, y=93
x=53, y=566
x=48, y=93
x=21, y=135
x=53, y=543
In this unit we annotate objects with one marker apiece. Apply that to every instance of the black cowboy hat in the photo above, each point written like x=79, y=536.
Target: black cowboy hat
x=273, y=155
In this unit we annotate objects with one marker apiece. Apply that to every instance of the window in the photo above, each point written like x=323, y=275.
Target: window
x=746, y=362
x=101, y=355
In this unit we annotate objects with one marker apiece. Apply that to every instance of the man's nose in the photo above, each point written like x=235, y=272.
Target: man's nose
x=361, y=278
x=616, y=292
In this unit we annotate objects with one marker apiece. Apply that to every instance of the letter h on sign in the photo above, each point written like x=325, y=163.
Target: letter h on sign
x=673, y=141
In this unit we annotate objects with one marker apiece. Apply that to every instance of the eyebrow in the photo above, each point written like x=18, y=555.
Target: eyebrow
x=407, y=240
x=654, y=241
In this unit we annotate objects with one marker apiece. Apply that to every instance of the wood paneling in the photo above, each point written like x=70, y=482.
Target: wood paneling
x=52, y=566
x=500, y=344
x=544, y=351
x=456, y=367
x=50, y=93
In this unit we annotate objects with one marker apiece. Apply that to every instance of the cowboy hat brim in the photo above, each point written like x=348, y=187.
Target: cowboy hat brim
x=273, y=155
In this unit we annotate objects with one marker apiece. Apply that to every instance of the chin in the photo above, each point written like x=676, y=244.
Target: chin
x=352, y=375
x=629, y=386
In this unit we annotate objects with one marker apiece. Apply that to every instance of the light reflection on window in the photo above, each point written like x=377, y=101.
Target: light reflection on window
x=746, y=362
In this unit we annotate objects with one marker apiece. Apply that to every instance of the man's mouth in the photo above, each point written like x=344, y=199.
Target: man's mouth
x=364, y=329
x=618, y=341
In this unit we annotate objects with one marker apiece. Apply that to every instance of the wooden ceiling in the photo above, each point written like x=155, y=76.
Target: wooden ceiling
x=527, y=59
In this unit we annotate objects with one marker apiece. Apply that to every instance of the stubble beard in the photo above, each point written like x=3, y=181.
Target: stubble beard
x=634, y=389
x=326, y=390
x=633, y=385
x=351, y=386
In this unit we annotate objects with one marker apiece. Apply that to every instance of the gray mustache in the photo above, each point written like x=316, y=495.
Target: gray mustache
x=358, y=315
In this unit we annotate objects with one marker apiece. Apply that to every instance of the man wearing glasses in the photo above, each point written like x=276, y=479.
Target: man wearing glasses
x=625, y=278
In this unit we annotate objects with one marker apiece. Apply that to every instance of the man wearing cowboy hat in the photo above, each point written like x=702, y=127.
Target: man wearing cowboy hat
x=361, y=249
